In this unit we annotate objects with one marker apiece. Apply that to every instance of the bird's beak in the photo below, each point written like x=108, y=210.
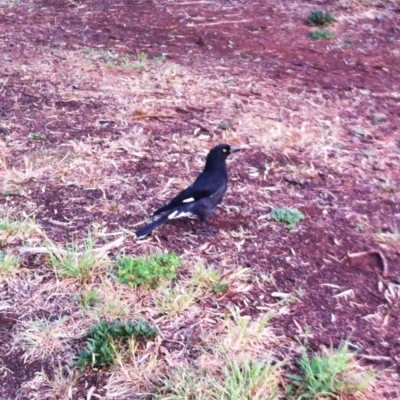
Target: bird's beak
x=235, y=149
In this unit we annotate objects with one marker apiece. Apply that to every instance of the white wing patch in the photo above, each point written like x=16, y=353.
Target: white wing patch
x=176, y=214
x=189, y=200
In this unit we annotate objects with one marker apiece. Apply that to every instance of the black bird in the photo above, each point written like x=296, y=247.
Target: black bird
x=202, y=197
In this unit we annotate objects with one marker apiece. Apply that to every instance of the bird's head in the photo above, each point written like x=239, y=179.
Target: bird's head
x=218, y=154
x=224, y=150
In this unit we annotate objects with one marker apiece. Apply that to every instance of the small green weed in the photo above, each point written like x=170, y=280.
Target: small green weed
x=104, y=339
x=88, y=298
x=142, y=56
x=9, y=224
x=219, y=288
x=225, y=126
x=184, y=384
x=320, y=18
x=290, y=217
x=140, y=64
x=360, y=133
x=378, y=119
x=75, y=262
x=387, y=185
x=322, y=34
x=391, y=237
x=115, y=307
x=239, y=380
x=249, y=380
x=330, y=375
x=110, y=63
x=347, y=43
x=209, y=278
x=150, y=270
x=126, y=63
x=173, y=301
x=8, y=263
x=37, y=136
x=160, y=58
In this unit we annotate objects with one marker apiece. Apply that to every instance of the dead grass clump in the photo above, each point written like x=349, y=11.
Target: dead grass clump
x=237, y=360
x=137, y=372
x=42, y=339
x=61, y=385
x=81, y=263
x=18, y=227
x=107, y=135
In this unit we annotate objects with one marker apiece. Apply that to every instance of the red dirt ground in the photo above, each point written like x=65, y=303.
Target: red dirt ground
x=278, y=37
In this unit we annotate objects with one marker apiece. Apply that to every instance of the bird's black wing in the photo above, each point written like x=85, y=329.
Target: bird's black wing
x=204, y=186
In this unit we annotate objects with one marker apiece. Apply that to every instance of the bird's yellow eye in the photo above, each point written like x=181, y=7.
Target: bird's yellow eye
x=224, y=150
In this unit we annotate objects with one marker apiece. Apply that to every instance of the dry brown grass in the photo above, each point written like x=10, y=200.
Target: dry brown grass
x=270, y=118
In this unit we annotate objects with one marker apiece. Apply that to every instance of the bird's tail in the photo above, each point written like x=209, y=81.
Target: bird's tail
x=148, y=228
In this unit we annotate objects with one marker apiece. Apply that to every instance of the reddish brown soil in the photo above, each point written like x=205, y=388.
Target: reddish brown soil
x=322, y=241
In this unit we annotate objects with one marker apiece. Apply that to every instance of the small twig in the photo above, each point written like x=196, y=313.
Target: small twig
x=374, y=358
x=53, y=250
x=107, y=247
x=198, y=125
x=149, y=116
x=4, y=113
x=188, y=3
x=293, y=180
x=128, y=232
x=4, y=130
x=60, y=223
x=385, y=267
x=192, y=25
x=188, y=109
x=41, y=250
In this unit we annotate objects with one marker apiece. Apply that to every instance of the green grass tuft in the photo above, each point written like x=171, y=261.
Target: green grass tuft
x=88, y=298
x=330, y=375
x=77, y=262
x=9, y=264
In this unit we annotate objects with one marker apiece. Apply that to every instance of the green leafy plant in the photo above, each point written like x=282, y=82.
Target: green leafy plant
x=322, y=34
x=150, y=270
x=103, y=340
x=320, y=18
x=330, y=375
x=290, y=217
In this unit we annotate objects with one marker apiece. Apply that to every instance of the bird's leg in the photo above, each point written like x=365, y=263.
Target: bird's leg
x=206, y=231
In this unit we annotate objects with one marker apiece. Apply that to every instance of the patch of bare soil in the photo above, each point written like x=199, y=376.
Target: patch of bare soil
x=348, y=187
